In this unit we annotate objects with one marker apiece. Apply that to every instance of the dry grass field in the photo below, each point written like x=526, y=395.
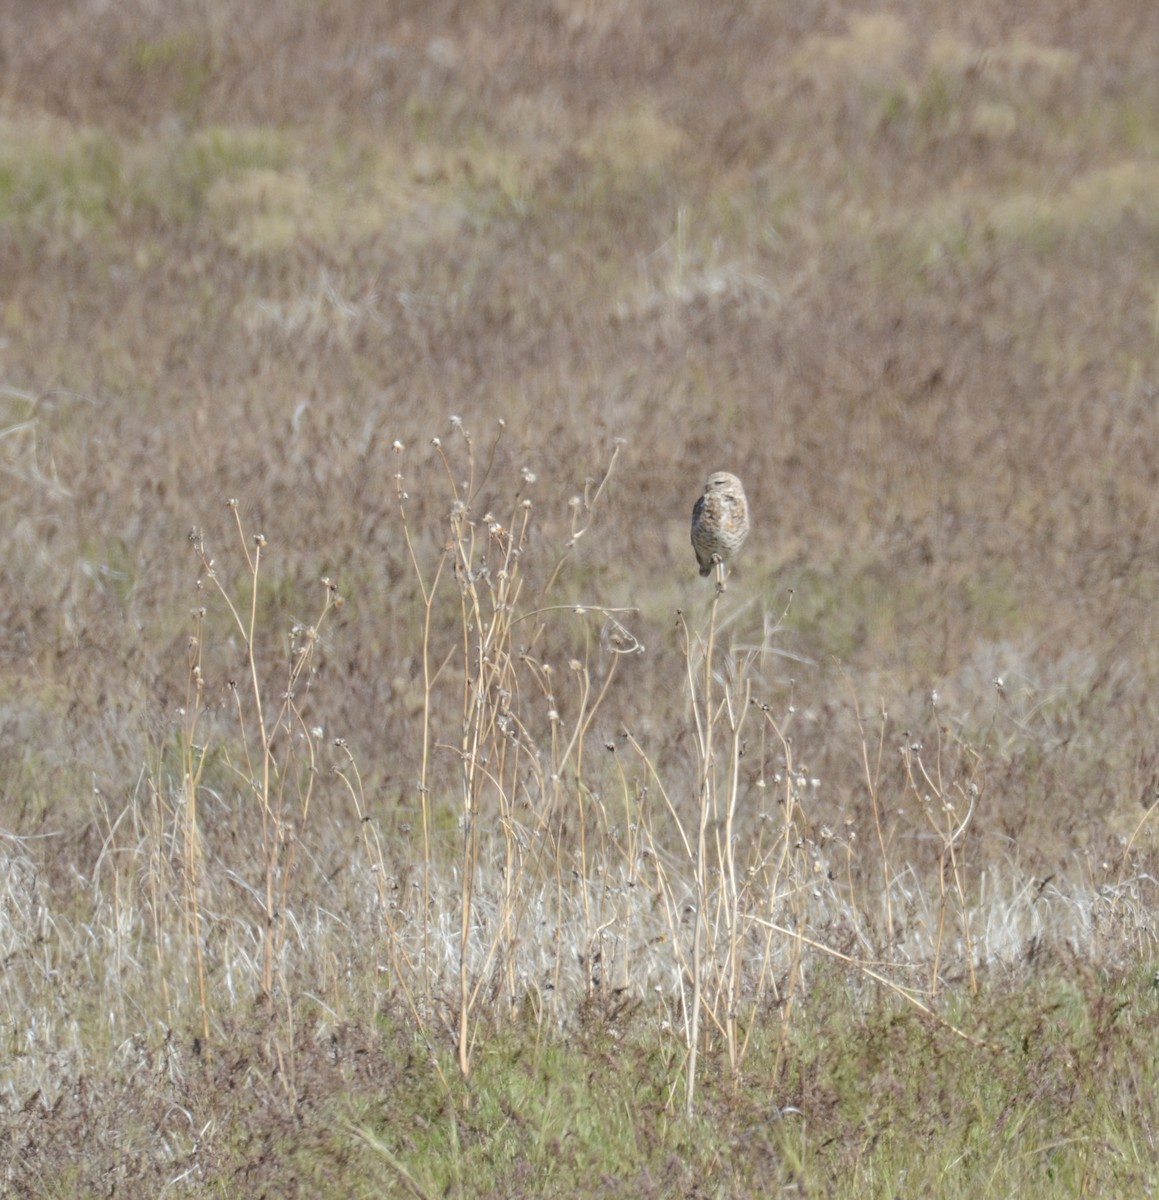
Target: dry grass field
x=386, y=805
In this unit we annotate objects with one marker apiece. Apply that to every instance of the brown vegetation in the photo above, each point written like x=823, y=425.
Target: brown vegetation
x=894, y=266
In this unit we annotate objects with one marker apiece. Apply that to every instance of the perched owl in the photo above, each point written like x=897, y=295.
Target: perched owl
x=720, y=520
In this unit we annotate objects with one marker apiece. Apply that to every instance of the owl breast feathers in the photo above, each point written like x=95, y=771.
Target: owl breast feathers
x=720, y=521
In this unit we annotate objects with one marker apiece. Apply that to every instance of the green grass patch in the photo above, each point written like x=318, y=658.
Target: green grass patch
x=865, y=1096
x=59, y=178
x=176, y=179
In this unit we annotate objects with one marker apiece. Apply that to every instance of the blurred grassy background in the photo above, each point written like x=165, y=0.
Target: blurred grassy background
x=895, y=266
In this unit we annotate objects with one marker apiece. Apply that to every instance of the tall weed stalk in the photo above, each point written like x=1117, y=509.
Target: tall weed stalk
x=272, y=759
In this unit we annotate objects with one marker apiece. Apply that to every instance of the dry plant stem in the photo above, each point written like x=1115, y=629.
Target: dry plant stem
x=571, y=759
x=476, y=672
x=277, y=844
x=473, y=701
x=247, y=627
x=380, y=1147
x=788, y=995
x=263, y=788
x=160, y=823
x=495, y=749
x=907, y=994
x=1126, y=855
x=872, y=776
x=497, y=756
x=428, y=594
x=192, y=766
x=950, y=833
x=353, y=784
x=630, y=853
x=583, y=514
x=923, y=801
x=703, y=714
x=734, y=935
x=487, y=658
x=664, y=889
x=504, y=782
x=654, y=777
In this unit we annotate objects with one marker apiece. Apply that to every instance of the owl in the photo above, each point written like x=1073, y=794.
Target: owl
x=720, y=521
